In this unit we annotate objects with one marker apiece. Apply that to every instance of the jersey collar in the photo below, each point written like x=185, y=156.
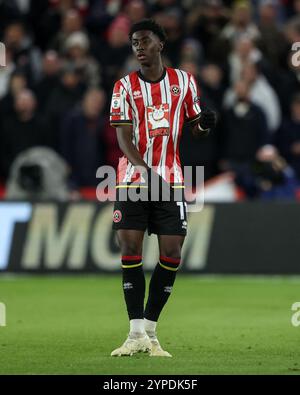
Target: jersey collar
x=152, y=82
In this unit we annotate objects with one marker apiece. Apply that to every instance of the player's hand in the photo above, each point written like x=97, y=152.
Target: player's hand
x=157, y=181
x=208, y=120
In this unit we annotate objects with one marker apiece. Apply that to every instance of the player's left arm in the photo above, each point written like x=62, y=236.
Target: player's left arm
x=206, y=122
x=202, y=120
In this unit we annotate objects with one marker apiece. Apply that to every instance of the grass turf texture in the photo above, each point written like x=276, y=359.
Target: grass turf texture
x=211, y=325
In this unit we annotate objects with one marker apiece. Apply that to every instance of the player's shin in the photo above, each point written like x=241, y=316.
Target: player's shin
x=161, y=285
x=134, y=290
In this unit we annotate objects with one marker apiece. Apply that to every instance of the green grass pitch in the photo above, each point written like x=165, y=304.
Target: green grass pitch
x=211, y=325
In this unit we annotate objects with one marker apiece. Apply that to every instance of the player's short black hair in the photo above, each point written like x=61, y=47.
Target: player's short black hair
x=148, y=24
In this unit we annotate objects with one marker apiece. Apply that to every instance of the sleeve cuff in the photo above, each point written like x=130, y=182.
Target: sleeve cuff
x=121, y=122
x=193, y=119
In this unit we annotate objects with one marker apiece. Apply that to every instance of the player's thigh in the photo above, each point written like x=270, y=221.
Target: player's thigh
x=168, y=218
x=130, y=215
x=130, y=241
x=170, y=245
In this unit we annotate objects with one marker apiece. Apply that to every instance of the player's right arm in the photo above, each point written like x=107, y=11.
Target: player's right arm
x=121, y=118
x=124, y=136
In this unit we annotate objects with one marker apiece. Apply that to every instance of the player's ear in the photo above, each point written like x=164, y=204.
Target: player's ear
x=161, y=46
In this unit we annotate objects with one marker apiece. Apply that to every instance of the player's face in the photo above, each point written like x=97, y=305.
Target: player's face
x=146, y=47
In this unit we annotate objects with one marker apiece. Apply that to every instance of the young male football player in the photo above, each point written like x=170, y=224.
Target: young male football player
x=148, y=109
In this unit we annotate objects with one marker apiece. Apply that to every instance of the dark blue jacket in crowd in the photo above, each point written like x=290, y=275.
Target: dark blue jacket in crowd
x=81, y=144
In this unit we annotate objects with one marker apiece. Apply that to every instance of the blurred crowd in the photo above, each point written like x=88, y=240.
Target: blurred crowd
x=63, y=57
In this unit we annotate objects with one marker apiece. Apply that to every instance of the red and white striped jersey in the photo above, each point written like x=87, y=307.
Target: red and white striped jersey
x=156, y=110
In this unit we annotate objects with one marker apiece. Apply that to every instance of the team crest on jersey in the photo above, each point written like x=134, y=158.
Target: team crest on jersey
x=158, y=123
x=116, y=100
x=137, y=94
x=117, y=216
x=175, y=90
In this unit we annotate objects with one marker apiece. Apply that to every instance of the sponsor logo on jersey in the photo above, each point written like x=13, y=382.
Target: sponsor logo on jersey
x=196, y=99
x=175, y=90
x=117, y=216
x=137, y=94
x=168, y=289
x=158, y=123
x=116, y=100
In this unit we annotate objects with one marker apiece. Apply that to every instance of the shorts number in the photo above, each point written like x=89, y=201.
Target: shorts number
x=181, y=206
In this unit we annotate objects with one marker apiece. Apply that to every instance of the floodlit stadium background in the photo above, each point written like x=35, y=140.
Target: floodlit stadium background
x=231, y=310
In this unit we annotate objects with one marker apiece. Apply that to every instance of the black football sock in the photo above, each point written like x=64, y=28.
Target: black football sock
x=161, y=284
x=133, y=286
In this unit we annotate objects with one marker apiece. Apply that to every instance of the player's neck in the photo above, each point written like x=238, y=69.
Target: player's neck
x=154, y=71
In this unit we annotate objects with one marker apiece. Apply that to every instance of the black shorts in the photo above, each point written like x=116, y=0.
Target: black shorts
x=161, y=217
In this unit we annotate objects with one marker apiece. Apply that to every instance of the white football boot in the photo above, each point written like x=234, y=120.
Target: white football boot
x=132, y=345
x=156, y=349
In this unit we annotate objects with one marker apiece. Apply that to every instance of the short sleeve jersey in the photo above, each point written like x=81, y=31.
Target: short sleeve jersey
x=156, y=110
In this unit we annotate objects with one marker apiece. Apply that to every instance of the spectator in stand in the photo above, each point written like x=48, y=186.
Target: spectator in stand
x=18, y=82
x=211, y=80
x=51, y=66
x=268, y=177
x=8, y=13
x=77, y=54
x=296, y=7
x=191, y=50
x=288, y=139
x=224, y=43
x=21, y=130
x=25, y=55
x=171, y=20
x=46, y=16
x=272, y=41
x=44, y=20
x=261, y=94
x=244, y=51
x=205, y=22
x=6, y=73
x=241, y=24
x=212, y=85
x=63, y=98
x=244, y=130
x=135, y=10
x=161, y=6
x=71, y=23
x=81, y=139
x=100, y=15
x=287, y=82
x=113, y=52
x=292, y=30
x=203, y=152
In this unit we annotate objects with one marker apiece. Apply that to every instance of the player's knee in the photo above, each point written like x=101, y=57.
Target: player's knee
x=173, y=253
x=170, y=259
x=130, y=249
